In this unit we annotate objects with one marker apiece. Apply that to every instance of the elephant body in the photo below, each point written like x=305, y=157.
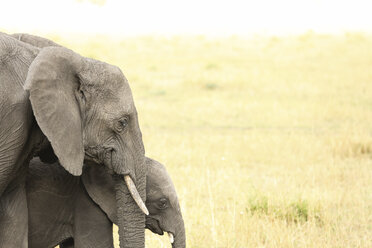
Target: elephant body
x=79, y=211
x=20, y=135
x=59, y=105
x=60, y=208
x=20, y=138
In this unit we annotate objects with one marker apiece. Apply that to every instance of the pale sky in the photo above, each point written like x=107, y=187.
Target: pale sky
x=210, y=17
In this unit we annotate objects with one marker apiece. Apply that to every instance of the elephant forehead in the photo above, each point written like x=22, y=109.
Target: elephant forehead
x=118, y=106
x=157, y=173
x=159, y=184
x=104, y=78
x=125, y=98
x=113, y=97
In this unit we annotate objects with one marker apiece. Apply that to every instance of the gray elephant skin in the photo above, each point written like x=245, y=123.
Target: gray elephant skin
x=59, y=105
x=62, y=207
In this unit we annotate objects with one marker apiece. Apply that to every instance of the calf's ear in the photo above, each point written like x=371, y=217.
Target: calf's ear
x=101, y=188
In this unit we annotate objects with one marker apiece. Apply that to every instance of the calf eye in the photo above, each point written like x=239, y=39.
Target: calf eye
x=82, y=95
x=162, y=204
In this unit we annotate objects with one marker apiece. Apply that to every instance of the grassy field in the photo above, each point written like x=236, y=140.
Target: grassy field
x=268, y=139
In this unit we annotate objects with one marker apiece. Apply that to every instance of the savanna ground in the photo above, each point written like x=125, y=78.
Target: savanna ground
x=268, y=139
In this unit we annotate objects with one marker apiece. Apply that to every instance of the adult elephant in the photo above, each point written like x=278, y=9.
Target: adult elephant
x=55, y=103
x=83, y=208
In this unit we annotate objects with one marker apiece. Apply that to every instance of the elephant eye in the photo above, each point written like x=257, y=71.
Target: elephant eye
x=124, y=122
x=82, y=95
x=162, y=204
x=121, y=124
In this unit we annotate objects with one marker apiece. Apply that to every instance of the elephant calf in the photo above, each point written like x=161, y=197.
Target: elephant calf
x=79, y=211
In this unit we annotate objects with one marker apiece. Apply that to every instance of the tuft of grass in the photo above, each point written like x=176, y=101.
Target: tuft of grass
x=360, y=149
x=346, y=147
x=297, y=212
x=259, y=206
x=211, y=66
x=210, y=86
x=159, y=93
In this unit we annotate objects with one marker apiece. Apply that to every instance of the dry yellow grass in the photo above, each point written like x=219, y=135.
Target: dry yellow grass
x=268, y=139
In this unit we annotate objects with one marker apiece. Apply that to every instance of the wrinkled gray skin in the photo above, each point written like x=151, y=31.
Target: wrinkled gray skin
x=55, y=103
x=62, y=206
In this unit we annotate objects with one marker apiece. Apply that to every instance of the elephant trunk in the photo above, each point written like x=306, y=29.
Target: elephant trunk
x=179, y=236
x=131, y=219
x=130, y=167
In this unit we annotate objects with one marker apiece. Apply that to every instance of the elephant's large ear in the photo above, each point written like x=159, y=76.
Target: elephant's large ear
x=52, y=83
x=101, y=188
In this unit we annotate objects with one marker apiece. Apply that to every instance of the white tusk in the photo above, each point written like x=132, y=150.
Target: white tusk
x=136, y=197
x=171, y=238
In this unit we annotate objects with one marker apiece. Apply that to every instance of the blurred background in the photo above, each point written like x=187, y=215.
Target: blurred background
x=167, y=17
x=260, y=110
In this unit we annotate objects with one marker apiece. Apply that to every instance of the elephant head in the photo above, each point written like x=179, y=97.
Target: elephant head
x=161, y=201
x=86, y=110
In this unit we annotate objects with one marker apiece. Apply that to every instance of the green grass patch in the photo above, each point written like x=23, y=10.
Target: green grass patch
x=297, y=211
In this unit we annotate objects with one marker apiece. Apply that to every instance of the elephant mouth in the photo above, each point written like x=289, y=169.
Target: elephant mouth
x=154, y=226
x=98, y=155
x=89, y=157
x=108, y=156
